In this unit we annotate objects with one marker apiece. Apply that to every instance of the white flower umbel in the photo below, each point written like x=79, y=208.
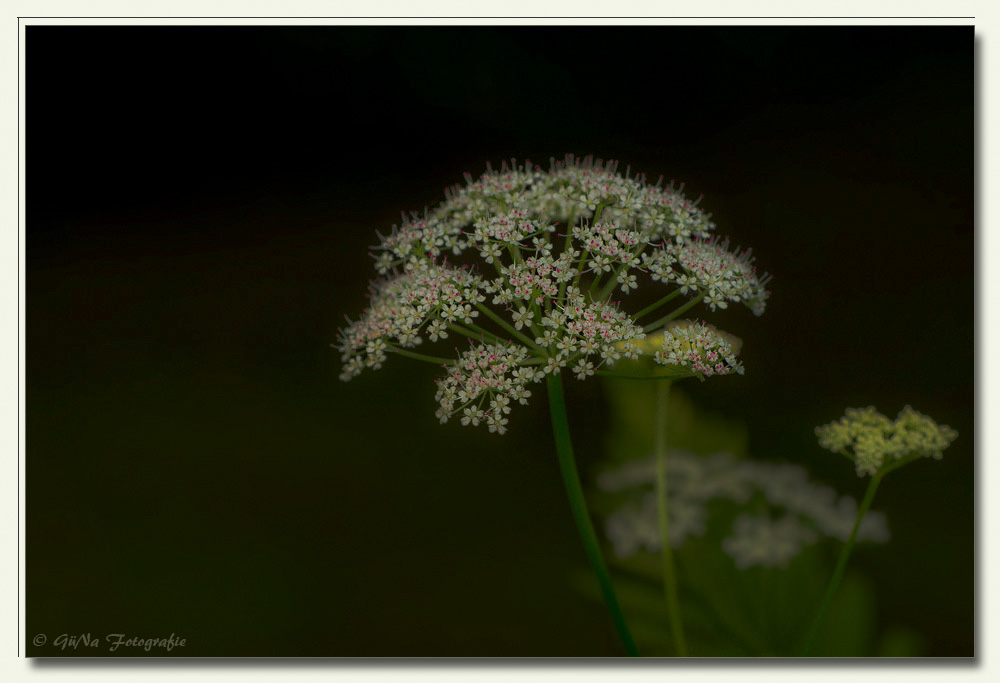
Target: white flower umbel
x=799, y=512
x=544, y=251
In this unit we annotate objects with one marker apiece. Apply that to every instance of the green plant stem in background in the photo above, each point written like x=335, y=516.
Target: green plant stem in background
x=669, y=571
x=578, y=505
x=838, y=572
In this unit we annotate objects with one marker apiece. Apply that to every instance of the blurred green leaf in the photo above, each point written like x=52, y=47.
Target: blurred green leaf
x=900, y=641
x=632, y=406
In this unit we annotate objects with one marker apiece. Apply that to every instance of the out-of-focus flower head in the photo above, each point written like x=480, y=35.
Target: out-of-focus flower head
x=781, y=509
x=874, y=441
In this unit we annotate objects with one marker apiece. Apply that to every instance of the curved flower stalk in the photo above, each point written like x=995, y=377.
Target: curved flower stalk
x=534, y=268
x=877, y=446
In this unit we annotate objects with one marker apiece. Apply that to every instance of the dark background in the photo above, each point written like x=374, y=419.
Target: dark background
x=200, y=201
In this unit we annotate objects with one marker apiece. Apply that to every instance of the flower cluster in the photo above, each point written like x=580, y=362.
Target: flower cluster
x=788, y=510
x=544, y=253
x=759, y=540
x=486, y=374
x=700, y=348
x=709, y=268
x=874, y=441
x=425, y=299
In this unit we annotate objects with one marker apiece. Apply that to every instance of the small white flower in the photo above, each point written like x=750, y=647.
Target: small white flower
x=500, y=404
x=437, y=330
x=583, y=368
x=471, y=416
x=553, y=366
x=627, y=282
x=547, y=339
x=521, y=317
x=497, y=423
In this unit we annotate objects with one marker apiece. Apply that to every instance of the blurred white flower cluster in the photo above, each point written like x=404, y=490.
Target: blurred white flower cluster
x=527, y=263
x=780, y=509
x=873, y=440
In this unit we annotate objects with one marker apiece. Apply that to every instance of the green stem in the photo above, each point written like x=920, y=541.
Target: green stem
x=886, y=469
x=593, y=285
x=652, y=307
x=420, y=356
x=609, y=288
x=586, y=252
x=673, y=314
x=642, y=378
x=579, y=266
x=567, y=245
x=477, y=334
x=669, y=571
x=578, y=505
x=838, y=572
x=510, y=328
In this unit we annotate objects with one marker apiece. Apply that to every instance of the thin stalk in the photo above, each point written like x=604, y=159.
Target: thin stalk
x=536, y=314
x=593, y=285
x=600, y=274
x=477, y=334
x=673, y=314
x=420, y=356
x=609, y=288
x=578, y=505
x=510, y=328
x=652, y=307
x=514, y=250
x=886, y=469
x=838, y=572
x=579, y=266
x=669, y=570
x=567, y=245
x=642, y=378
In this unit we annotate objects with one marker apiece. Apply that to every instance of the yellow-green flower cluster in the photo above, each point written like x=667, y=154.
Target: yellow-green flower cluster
x=874, y=441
